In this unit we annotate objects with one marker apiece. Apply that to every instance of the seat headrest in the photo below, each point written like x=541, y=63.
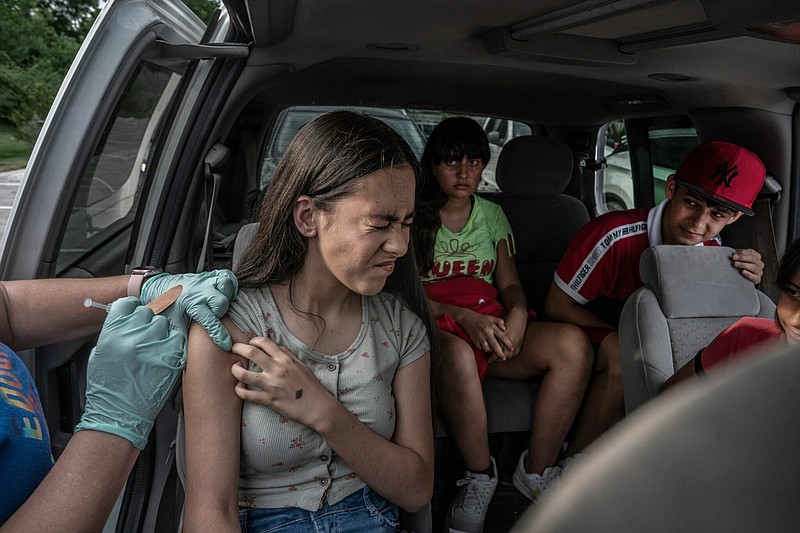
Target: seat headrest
x=697, y=281
x=534, y=165
x=243, y=239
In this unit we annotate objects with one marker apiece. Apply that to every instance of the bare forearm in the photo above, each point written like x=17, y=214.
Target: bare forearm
x=401, y=470
x=684, y=373
x=560, y=306
x=38, y=312
x=80, y=491
x=513, y=297
x=398, y=473
x=439, y=309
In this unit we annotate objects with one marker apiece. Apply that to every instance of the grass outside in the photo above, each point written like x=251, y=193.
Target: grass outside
x=14, y=153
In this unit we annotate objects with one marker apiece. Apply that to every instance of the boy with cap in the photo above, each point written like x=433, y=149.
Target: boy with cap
x=714, y=186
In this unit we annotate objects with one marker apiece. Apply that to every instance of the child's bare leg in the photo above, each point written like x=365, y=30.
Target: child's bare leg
x=462, y=401
x=562, y=355
x=605, y=400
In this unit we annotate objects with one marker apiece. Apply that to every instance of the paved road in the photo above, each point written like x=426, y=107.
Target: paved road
x=9, y=183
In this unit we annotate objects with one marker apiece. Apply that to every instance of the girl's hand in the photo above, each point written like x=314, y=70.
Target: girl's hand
x=284, y=384
x=516, y=323
x=487, y=332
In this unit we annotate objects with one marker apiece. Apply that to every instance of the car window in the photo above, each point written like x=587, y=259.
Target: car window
x=669, y=151
x=669, y=140
x=494, y=129
x=615, y=181
x=499, y=131
x=293, y=118
x=426, y=120
x=111, y=186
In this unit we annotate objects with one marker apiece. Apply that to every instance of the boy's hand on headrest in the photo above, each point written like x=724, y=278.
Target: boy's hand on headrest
x=749, y=263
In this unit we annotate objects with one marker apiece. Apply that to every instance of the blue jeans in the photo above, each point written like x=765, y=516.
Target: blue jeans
x=363, y=511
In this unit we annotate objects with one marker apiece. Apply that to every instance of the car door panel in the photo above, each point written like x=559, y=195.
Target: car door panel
x=78, y=120
x=88, y=176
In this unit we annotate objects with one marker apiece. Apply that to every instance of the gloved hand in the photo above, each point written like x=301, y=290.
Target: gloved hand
x=204, y=299
x=131, y=371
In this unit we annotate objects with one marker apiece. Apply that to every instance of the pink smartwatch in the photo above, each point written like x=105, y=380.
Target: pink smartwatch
x=138, y=276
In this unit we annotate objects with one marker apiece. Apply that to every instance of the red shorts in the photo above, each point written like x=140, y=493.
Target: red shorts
x=474, y=294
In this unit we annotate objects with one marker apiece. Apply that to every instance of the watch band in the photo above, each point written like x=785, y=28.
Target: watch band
x=138, y=276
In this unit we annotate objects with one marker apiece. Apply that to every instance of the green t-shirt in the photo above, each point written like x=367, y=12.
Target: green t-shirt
x=472, y=251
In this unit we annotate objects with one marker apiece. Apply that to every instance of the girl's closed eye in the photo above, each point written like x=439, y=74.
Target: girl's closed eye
x=385, y=225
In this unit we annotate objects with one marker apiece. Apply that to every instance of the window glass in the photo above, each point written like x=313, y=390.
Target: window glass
x=413, y=125
x=499, y=131
x=110, y=189
x=494, y=129
x=616, y=178
x=292, y=119
x=669, y=139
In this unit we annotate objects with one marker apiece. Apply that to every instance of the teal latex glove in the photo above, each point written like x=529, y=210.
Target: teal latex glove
x=131, y=372
x=204, y=299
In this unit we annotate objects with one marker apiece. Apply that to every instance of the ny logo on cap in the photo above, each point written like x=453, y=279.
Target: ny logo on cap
x=727, y=174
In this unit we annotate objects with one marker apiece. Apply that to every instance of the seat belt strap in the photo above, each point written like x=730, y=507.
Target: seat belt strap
x=764, y=237
x=213, y=180
x=214, y=159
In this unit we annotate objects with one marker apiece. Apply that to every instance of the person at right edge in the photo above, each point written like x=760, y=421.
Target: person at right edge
x=739, y=340
x=713, y=187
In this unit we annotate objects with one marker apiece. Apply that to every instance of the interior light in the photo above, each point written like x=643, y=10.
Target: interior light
x=577, y=15
x=392, y=47
x=638, y=99
x=671, y=76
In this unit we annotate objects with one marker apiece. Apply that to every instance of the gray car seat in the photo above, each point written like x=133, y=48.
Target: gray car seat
x=710, y=456
x=691, y=294
x=532, y=173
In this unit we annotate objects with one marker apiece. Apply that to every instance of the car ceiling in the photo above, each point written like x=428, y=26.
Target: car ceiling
x=473, y=56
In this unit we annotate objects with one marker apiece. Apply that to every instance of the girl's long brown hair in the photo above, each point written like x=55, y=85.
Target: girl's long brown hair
x=453, y=137
x=326, y=160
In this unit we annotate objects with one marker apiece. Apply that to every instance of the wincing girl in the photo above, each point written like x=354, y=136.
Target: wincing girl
x=321, y=416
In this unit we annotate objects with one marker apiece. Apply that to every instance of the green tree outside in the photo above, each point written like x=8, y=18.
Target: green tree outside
x=41, y=39
x=32, y=64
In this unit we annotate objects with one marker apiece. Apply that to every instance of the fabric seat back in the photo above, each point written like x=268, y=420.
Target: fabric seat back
x=690, y=295
x=532, y=173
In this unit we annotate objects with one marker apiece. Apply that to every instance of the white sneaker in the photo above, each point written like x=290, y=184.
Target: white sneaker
x=533, y=486
x=469, y=508
x=568, y=463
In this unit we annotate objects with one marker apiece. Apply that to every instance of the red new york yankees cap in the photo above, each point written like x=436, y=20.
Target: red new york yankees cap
x=724, y=172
